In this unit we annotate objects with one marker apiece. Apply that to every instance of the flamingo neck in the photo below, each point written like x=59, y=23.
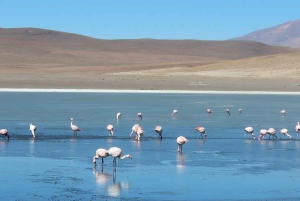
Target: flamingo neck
x=126, y=156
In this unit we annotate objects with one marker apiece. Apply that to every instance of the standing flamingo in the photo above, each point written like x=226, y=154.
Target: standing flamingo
x=4, y=133
x=139, y=134
x=227, y=111
x=74, y=127
x=181, y=141
x=102, y=153
x=119, y=115
x=110, y=129
x=272, y=132
x=158, y=130
x=209, y=111
x=249, y=130
x=283, y=112
x=240, y=110
x=201, y=130
x=262, y=133
x=116, y=152
x=134, y=129
x=285, y=132
x=32, y=128
x=297, y=128
x=174, y=112
x=140, y=116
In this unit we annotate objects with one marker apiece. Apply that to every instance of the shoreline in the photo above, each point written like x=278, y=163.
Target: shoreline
x=37, y=90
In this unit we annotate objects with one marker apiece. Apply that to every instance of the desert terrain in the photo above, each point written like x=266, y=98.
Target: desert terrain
x=37, y=58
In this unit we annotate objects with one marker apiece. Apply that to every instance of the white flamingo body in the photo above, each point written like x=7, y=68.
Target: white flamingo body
x=134, y=129
x=285, y=132
x=227, y=111
x=283, y=112
x=262, y=133
x=158, y=130
x=116, y=152
x=240, y=110
x=297, y=128
x=110, y=129
x=209, y=111
x=100, y=153
x=140, y=116
x=32, y=128
x=119, y=116
x=4, y=133
x=272, y=132
x=181, y=140
x=249, y=130
x=174, y=112
x=140, y=133
x=74, y=127
x=201, y=130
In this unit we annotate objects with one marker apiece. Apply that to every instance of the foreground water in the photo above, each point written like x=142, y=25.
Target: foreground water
x=57, y=165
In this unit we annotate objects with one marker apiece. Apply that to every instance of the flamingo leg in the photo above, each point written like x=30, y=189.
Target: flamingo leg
x=102, y=161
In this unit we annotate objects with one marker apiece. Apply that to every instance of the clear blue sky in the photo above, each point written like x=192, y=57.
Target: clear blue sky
x=160, y=19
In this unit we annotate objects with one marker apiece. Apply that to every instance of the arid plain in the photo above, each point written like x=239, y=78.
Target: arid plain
x=37, y=58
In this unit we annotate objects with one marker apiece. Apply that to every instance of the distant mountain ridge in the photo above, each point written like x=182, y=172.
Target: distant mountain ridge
x=286, y=34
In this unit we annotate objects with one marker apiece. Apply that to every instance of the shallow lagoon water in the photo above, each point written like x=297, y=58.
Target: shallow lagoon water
x=57, y=165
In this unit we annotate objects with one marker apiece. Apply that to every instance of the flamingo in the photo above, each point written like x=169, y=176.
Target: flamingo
x=119, y=116
x=283, y=112
x=74, y=127
x=272, y=132
x=201, y=130
x=158, y=130
x=140, y=116
x=240, y=110
x=139, y=134
x=4, y=133
x=285, y=132
x=110, y=129
x=134, y=129
x=297, y=128
x=208, y=111
x=227, y=111
x=102, y=153
x=249, y=130
x=262, y=133
x=174, y=112
x=32, y=128
x=181, y=141
x=116, y=152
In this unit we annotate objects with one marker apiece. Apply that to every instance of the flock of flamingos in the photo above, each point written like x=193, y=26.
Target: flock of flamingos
x=116, y=152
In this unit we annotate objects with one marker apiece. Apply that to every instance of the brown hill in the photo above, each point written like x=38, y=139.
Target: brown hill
x=30, y=47
x=287, y=34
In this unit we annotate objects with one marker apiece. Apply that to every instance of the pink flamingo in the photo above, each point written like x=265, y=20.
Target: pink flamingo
x=240, y=110
x=110, y=129
x=209, y=111
x=119, y=116
x=32, y=128
x=174, y=112
x=140, y=116
x=139, y=134
x=201, y=130
x=74, y=127
x=285, y=132
x=283, y=112
x=116, y=152
x=134, y=129
x=181, y=141
x=249, y=130
x=272, y=132
x=158, y=130
x=227, y=111
x=4, y=133
x=262, y=133
x=297, y=128
x=100, y=153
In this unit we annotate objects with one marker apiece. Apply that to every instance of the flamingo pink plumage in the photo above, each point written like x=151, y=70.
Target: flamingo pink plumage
x=158, y=130
x=272, y=132
x=74, y=127
x=110, y=129
x=116, y=152
x=134, y=129
x=262, y=133
x=285, y=132
x=201, y=130
x=4, y=133
x=181, y=140
x=100, y=153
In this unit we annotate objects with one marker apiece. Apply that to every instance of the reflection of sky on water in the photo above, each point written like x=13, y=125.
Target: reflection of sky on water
x=58, y=165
